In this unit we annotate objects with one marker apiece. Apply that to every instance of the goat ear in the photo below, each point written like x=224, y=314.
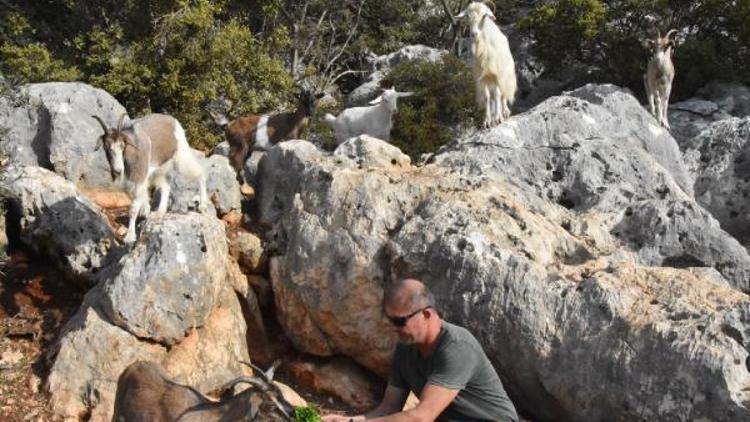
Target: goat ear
x=99, y=143
x=129, y=142
x=377, y=100
x=405, y=94
x=460, y=15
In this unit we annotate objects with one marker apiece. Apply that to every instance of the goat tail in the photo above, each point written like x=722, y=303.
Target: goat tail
x=185, y=159
x=187, y=164
x=509, y=85
x=330, y=119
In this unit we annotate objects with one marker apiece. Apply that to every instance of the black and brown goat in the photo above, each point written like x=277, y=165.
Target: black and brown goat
x=261, y=132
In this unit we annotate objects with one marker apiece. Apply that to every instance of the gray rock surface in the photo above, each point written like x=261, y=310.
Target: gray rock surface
x=365, y=151
x=178, y=263
x=719, y=157
x=50, y=125
x=715, y=102
x=221, y=185
x=57, y=221
x=565, y=239
x=92, y=352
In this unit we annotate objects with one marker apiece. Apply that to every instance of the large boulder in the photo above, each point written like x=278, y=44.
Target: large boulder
x=170, y=300
x=50, y=125
x=715, y=102
x=565, y=239
x=56, y=220
x=177, y=263
x=92, y=353
x=719, y=156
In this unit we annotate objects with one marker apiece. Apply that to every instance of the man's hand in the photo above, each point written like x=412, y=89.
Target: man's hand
x=335, y=418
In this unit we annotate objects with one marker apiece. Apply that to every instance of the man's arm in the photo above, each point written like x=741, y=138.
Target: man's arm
x=393, y=401
x=432, y=403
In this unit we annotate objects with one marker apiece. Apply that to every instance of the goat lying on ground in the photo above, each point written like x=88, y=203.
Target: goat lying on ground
x=145, y=394
x=375, y=120
x=659, y=76
x=494, y=68
x=143, y=154
x=249, y=133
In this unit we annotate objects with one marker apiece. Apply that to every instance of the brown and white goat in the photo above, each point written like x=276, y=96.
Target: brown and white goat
x=142, y=154
x=261, y=132
x=145, y=394
x=659, y=76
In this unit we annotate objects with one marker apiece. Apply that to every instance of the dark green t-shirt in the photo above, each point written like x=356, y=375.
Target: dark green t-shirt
x=457, y=363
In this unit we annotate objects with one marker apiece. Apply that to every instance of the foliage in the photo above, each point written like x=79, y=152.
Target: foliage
x=180, y=56
x=189, y=60
x=566, y=29
x=609, y=37
x=444, y=99
x=306, y=414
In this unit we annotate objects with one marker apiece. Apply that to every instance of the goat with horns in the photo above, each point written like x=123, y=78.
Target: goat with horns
x=142, y=154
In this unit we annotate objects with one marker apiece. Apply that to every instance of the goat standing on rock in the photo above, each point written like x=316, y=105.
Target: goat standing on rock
x=374, y=120
x=494, y=68
x=143, y=154
x=255, y=132
x=659, y=76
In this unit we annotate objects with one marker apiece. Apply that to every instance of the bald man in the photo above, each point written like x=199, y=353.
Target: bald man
x=443, y=364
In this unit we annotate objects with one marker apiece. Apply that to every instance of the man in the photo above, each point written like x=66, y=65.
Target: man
x=442, y=363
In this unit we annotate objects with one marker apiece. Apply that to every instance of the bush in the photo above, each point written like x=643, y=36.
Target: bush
x=191, y=59
x=608, y=36
x=444, y=101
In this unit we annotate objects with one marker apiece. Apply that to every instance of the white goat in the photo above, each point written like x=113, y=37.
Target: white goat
x=494, y=68
x=375, y=120
x=143, y=154
x=659, y=76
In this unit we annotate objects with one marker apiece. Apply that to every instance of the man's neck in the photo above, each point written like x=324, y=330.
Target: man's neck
x=433, y=335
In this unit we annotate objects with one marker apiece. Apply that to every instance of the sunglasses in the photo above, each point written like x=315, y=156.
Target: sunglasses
x=400, y=321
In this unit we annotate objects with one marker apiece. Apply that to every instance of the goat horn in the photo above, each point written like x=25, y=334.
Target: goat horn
x=255, y=381
x=671, y=31
x=101, y=122
x=99, y=141
x=266, y=375
x=119, y=123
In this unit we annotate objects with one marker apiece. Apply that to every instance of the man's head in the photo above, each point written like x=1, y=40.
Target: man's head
x=410, y=307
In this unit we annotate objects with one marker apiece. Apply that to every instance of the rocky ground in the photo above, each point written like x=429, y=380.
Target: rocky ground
x=34, y=306
x=33, y=309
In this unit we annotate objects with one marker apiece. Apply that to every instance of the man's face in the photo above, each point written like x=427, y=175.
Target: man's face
x=409, y=324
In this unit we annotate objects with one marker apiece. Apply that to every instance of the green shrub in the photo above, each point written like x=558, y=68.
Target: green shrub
x=444, y=100
x=34, y=63
x=608, y=36
x=191, y=59
x=565, y=29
